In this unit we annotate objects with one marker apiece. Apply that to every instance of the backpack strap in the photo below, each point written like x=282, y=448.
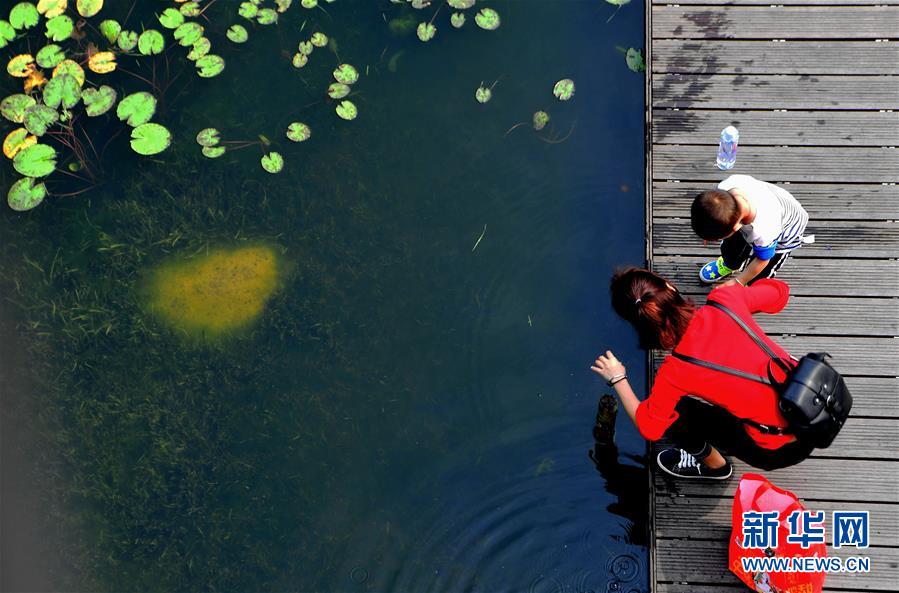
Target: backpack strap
x=755, y=337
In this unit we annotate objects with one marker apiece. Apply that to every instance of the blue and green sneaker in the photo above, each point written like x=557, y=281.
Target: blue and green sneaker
x=714, y=271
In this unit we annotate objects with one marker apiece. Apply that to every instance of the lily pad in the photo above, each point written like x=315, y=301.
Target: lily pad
x=149, y=139
x=634, y=60
x=127, y=40
x=188, y=33
x=191, y=9
x=319, y=39
x=299, y=60
x=89, y=8
x=20, y=66
x=213, y=152
x=618, y=2
x=52, y=8
x=18, y=139
x=171, y=18
x=564, y=89
x=461, y=4
x=272, y=162
x=248, y=10
x=72, y=68
x=267, y=16
x=23, y=15
x=483, y=94
x=24, y=194
x=426, y=31
x=110, y=29
x=38, y=160
x=347, y=110
x=488, y=19
x=283, y=5
x=7, y=33
x=137, y=108
x=238, y=34
x=306, y=48
x=98, y=101
x=298, y=132
x=541, y=118
x=50, y=56
x=60, y=28
x=338, y=90
x=199, y=49
x=457, y=19
x=150, y=42
x=309, y=3
x=210, y=65
x=62, y=90
x=102, y=62
x=346, y=74
x=13, y=107
x=209, y=137
x=39, y=118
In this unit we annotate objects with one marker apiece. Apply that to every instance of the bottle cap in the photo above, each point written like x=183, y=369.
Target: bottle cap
x=730, y=134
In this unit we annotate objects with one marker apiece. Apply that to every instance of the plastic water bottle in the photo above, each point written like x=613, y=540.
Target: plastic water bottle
x=727, y=148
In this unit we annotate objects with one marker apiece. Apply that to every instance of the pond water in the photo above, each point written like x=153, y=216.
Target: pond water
x=412, y=408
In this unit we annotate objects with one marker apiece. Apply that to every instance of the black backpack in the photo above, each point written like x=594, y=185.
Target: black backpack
x=813, y=397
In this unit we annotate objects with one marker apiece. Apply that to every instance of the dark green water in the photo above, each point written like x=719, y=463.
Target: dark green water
x=410, y=413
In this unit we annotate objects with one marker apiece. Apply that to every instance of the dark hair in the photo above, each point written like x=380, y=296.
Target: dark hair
x=714, y=214
x=658, y=313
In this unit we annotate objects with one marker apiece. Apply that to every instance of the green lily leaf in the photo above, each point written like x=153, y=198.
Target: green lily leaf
x=23, y=15
x=150, y=139
x=460, y=4
x=299, y=60
x=62, y=90
x=150, y=42
x=38, y=160
x=98, y=101
x=89, y=8
x=188, y=33
x=319, y=39
x=267, y=16
x=127, y=40
x=618, y=2
x=338, y=90
x=199, y=49
x=309, y=3
x=483, y=94
x=39, y=118
x=283, y=5
x=426, y=31
x=347, y=110
x=18, y=139
x=634, y=60
x=237, y=33
x=209, y=137
x=564, y=89
x=60, y=28
x=298, y=132
x=210, y=65
x=213, y=152
x=457, y=19
x=20, y=66
x=487, y=19
x=25, y=195
x=306, y=48
x=110, y=29
x=272, y=162
x=248, y=10
x=72, y=68
x=191, y=9
x=346, y=74
x=541, y=118
x=137, y=108
x=50, y=56
x=7, y=33
x=171, y=18
x=13, y=107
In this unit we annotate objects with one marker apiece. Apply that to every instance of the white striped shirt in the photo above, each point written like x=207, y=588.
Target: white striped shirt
x=780, y=219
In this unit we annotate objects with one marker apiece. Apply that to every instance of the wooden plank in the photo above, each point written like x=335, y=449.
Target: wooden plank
x=706, y=561
x=822, y=201
x=767, y=22
x=709, y=518
x=818, y=164
x=833, y=239
x=796, y=128
x=774, y=57
x=757, y=91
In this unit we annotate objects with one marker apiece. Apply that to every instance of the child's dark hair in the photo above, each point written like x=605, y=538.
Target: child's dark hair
x=714, y=214
x=659, y=313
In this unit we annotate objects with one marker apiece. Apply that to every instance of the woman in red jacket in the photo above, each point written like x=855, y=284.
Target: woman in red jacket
x=703, y=411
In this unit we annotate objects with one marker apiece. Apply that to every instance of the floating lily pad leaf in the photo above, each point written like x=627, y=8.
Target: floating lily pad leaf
x=62, y=90
x=171, y=18
x=137, y=108
x=150, y=42
x=483, y=94
x=102, y=62
x=267, y=16
x=564, y=89
x=72, y=68
x=98, y=101
x=306, y=48
x=346, y=74
x=52, y=8
x=309, y=3
x=60, y=28
x=298, y=132
x=283, y=5
x=460, y=4
x=191, y=9
x=338, y=90
x=20, y=66
x=199, y=49
x=110, y=29
x=127, y=40
x=89, y=8
x=347, y=110
x=319, y=39
x=7, y=33
x=13, y=107
x=634, y=60
x=37, y=160
x=23, y=15
x=39, y=118
x=272, y=162
x=457, y=19
x=50, y=56
x=541, y=118
x=24, y=194
x=188, y=33
x=210, y=65
x=149, y=139
x=488, y=19
x=248, y=10
x=618, y=2
x=209, y=137
x=213, y=152
x=18, y=139
x=426, y=31
x=299, y=60
x=237, y=33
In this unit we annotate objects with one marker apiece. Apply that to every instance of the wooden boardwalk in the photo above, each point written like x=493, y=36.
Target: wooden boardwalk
x=813, y=86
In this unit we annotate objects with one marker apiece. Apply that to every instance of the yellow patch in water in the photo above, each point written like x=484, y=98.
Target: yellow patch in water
x=218, y=292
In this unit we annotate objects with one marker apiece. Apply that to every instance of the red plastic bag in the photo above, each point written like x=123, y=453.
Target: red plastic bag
x=755, y=493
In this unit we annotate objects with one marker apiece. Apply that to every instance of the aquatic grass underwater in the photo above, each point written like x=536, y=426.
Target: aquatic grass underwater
x=408, y=410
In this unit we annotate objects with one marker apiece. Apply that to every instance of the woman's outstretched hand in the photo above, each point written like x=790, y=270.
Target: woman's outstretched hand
x=607, y=366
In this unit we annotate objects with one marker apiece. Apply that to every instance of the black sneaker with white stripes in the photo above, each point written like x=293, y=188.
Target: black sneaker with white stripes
x=681, y=464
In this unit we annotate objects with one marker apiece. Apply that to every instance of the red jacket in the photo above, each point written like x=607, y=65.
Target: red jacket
x=712, y=335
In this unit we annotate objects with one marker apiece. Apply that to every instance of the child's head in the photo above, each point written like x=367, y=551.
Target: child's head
x=715, y=214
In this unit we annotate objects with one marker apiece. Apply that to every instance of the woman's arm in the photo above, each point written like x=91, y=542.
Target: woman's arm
x=610, y=369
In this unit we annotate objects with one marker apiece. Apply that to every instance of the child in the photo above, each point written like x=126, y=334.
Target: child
x=759, y=223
